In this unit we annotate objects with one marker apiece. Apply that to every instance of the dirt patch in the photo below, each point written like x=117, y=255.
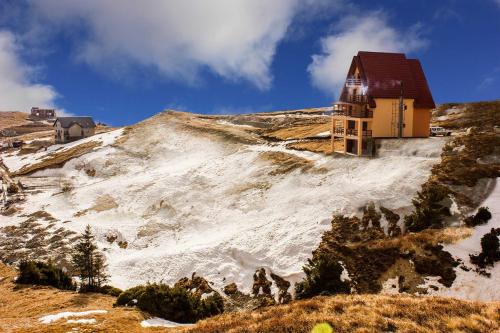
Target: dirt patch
x=58, y=158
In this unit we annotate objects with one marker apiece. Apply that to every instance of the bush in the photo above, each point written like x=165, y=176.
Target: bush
x=490, y=247
x=482, y=216
x=46, y=274
x=110, y=290
x=430, y=208
x=12, y=188
x=322, y=278
x=172, y=303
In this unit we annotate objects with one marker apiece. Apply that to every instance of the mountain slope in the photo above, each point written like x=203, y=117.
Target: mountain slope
x=181, y=193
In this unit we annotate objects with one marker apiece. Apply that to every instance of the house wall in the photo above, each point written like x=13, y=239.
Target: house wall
x=421, y=122
x=75, y=130
x=383, y=122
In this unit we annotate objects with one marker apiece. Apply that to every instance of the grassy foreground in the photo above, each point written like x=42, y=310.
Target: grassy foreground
x=363, y=313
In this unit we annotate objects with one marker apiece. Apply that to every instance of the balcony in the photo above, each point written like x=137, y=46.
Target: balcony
x=357, y=99
x=351, y=132
x=352, y=82
x=338, y=130
x=354, y=113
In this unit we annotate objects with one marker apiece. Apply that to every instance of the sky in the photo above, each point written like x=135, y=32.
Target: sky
x=123, y=61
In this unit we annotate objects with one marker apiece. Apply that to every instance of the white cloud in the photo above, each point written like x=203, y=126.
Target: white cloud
x=18, y=91
x=235, y=39
x=368, y=33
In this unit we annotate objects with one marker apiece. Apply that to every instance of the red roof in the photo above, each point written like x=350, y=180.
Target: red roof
x=383, y=74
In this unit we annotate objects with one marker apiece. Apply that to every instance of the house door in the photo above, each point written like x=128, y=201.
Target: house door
x=352, y=147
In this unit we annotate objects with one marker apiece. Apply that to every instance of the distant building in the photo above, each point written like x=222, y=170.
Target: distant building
x=385, y=95
x=39, y=113
x=69, y=129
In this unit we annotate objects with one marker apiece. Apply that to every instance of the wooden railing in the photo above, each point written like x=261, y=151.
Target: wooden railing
x=354, y=132
x=352, y=82
x=357, y=99
x=354, y=113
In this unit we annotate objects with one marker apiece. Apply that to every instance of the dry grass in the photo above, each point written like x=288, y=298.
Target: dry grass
x=362, y=313
x=285, y=162
x=12, y=118
x=101, y=204
x=58, y=158
x=21, y=307
x=300, y=131
x=479, y=114
x=317, y=146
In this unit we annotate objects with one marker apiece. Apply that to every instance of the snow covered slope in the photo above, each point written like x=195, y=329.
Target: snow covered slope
x=469, y=284
x=194, y=199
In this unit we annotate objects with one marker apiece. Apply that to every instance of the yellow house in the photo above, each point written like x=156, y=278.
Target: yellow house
x=385, y=95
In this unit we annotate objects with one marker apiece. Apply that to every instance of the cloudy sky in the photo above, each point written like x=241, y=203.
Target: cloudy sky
x=122, y=61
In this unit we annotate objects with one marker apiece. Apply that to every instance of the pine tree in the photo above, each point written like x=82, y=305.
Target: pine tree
x=88, y=262
x=100, y=268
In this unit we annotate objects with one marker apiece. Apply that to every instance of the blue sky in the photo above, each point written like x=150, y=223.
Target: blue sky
x=123, y=61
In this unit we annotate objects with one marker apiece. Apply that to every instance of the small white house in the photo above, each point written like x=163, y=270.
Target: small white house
x=67, y=129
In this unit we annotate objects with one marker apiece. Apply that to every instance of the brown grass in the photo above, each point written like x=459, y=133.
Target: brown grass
x=285, y=162
x=101, y=204
x=362, y=313
x=12, y=118
x=484, y=115
x=21, y=308
x=317, y=146
x=299, y=132
x=58, y=158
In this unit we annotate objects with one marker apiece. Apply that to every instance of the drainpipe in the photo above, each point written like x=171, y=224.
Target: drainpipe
x=401, y=110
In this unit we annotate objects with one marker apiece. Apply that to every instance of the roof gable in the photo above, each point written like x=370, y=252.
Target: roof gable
x=383, y=74
x=84, y=122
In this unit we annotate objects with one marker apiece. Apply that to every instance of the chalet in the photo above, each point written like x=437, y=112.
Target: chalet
x=385, y=95
x=69, y=129
x=38, y=113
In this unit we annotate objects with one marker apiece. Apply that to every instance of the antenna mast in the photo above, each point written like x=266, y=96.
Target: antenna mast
x=401, y=111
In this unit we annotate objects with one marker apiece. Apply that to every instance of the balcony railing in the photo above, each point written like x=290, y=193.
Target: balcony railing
x=338, y=130
x=353, y=82
x=351, y=132
x=354, y=113
x=357, y=99
x=354, y=132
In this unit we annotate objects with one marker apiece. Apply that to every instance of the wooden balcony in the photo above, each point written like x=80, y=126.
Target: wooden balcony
x=357, y=99
x=354, y=113
x=352, y=82
x=339, y=131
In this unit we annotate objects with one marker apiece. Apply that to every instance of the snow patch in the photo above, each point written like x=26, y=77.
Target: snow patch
x=54, y=317
x=83, y=321
x=160, y=322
